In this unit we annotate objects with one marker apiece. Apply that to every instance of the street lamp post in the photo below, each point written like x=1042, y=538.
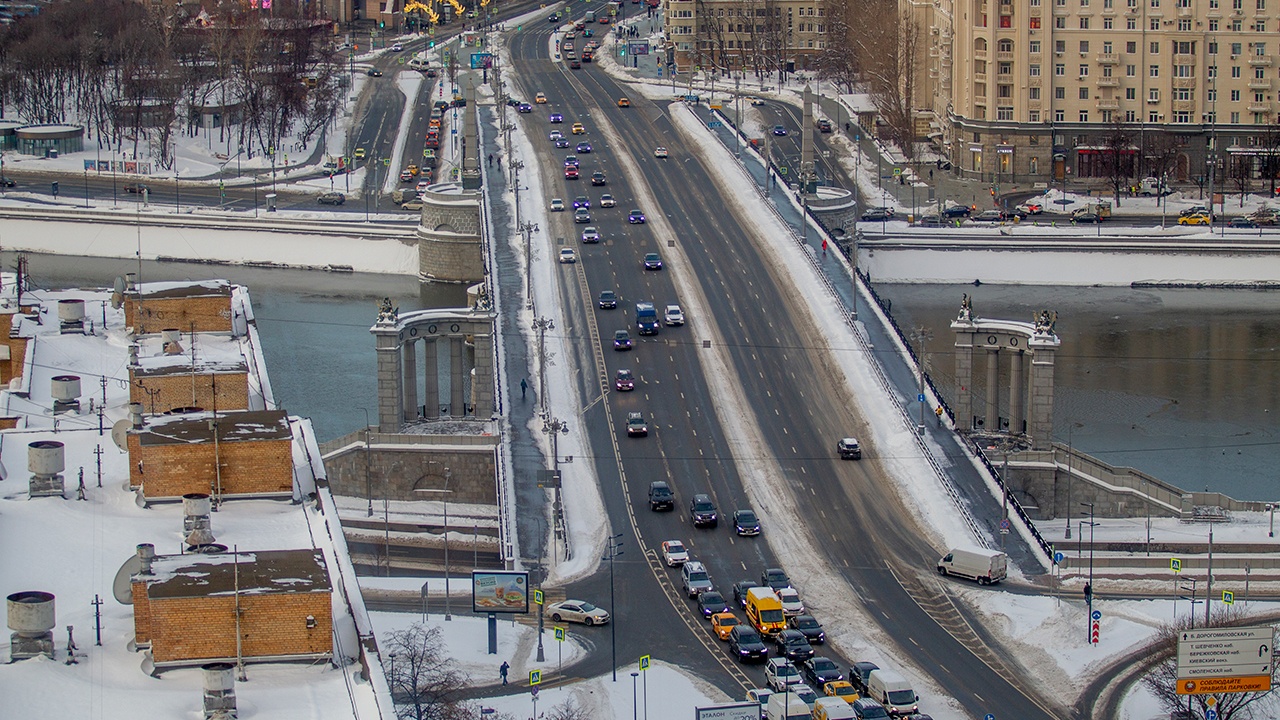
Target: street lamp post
x=86, y=188
x=1271, y=531
x=634, y=705
x=448, y=475
x=1088, y=593
x=613, y=551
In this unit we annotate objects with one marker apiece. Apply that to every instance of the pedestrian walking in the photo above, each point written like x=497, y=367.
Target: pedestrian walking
x=524, y=387
x=938, y=411
x=502, y=670
x=490, y=159
x=824, y=247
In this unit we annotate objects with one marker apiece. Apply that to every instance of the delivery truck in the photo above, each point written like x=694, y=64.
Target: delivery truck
x=985, y=566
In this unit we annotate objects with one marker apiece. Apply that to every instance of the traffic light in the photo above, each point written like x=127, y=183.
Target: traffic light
x=433, y=44
x=1088, y=593
x=382, y=24
x=55, y=188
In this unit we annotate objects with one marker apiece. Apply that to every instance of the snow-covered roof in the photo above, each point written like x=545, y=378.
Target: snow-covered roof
x=232, y=426
x=210, y=353
x=206, y=288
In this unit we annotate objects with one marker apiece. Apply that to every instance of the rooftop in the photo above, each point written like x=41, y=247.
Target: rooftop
x=232, y=427
x=268, y=571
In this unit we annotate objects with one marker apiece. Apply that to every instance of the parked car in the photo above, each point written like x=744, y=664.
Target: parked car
x=1241, y=222
x=745, y=523
x=930, y=221
x=703, y=511
x=660, y=496
x=674, y=552
x=956, y=211
x=989, y=216
x=878, y=214
x=577, y=611
x=1093, y=217
x=332, y=198
x=136, y=187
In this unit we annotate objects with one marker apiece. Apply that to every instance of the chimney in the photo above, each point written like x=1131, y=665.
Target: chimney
x=196, y=523
x=219, y=691
x=146, y=555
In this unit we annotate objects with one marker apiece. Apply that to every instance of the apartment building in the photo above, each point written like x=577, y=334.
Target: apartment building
x=1039, y=90
x=751, y=35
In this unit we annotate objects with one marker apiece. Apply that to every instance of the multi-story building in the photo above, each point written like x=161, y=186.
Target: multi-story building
x=1040, y=90
x=752, y=35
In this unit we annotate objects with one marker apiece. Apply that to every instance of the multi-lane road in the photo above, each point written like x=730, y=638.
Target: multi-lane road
x=746, y=316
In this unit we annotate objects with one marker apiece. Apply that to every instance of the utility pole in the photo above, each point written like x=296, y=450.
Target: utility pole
x=528, y=229
x=542, y=325
x=1208, y=587
x=921, y=335
x=613, y=550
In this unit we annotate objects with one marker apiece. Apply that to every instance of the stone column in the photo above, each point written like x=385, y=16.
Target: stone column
x=482, y=388
x=410, y=365
x=1015, y=391
x=993, y=390
x=390, y=394
x=1040, y=401
x=457, y=378
x=431, y=376
x=964, y=380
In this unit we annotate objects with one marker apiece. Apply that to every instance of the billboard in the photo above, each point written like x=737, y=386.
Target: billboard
x=729, y=711
x=499, y=591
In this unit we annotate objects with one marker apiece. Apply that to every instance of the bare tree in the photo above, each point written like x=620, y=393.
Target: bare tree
x=1241, y=170
x=1162, y=681
x=1162, y=152
x=1270, y=157
x=838, y=60
x=425, y=683
x=568, y=710
x=1117, y=157
x=888, y=49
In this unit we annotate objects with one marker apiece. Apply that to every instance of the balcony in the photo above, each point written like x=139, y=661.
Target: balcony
x=980, y=55
x=1108, y=59
x=1184, y=105
x=1182, y=59
x=1004, y=56
x=1109, y=104
x=980, y=78
x=1260, y=84
x=1185, y=12
x=1103, y=81
x=1180, y=83
x=1257, y=107
x=1256, y=60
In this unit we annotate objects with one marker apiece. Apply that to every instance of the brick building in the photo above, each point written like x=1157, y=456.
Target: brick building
x=764, y=35
x=13, y=343
x=249, y=455
x=185, y=608
x=196, y=306
x=208, y=371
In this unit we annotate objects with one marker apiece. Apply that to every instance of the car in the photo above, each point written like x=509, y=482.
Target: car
x=673, y=315
x=606, y=200
x=635, y=217
x=557, y=205
x=332, y=198
x=579, y=611
x=524, y=108
x=878, y=214
x=7, y=182
x=775, y=578
x=779, y=130
x=849, y=449
x=568, y=256
x=825, y=126
x=818, y=671
x=555, y=17
x=791, y=604
x=607, y=300
x=556, y=118
x=652, y=261
x=1031, y=207
x=397, y=47
x=956, y=211
x=636, y=426
x=582, y=215
x=624, y=102
x=406, y=176
x=622, y=340
x=581, y=201
x=660, y=496
x=1093, y=217
x=567, y=47
x=572, y=161
x=711, y=603
x=868, y=709
x=359, y=154
x=575, y=64
x=562, y=142
x=1195, y=209
x=1193, y=219
x=136, y=187
x=989, y=216
x=673, y=551
x=414, y=204
x=860, y=674
x=805, y=694
x=571, y=173
x=590, y=234
x=431, y=72
x=597, y=178
x=578, y=129
x=423, y=185
x=842, y=689
x=793, y=645
x=746, y=644
x=1241, y=222
x=930, y=221
x=555, y=135
x=373, y=72
x=703, y=511
x=810, y=626
x=624, y=381
x=740, y=589
x=723, y=623
x=745, y=523
x=757, y=102
x=540, y=99
x=583, y=147
x=780, y=673
x=695, y=579
x=660, y=152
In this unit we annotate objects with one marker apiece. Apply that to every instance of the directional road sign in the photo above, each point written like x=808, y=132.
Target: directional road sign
x=1210, y=714
x=1058, y=557
x=1217, y=660
x=989, y=716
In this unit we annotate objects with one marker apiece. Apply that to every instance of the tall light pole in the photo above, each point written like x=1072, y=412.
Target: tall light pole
x=1271, y=531
x=1088, y=588
x=920, y=335
x=448, y=476
x=368, y=478
x=613, y=551
x=634, y=705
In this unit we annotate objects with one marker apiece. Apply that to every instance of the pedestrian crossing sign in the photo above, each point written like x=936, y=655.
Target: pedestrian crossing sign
x=644, y=662
x=535, y=677
x=537, y=597
x=560, y=633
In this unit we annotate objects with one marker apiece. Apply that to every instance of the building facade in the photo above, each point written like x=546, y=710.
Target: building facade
x=1048, y=90
x=765, y=36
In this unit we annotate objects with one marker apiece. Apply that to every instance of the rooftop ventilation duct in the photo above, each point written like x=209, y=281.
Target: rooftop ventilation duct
x=46, y=459
x=196, y=522
x=71, y=316
x=219, y=691
x=66, y=393
x=31, y=618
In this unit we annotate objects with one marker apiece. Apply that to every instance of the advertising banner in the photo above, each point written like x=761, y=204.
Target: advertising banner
x=496, y=591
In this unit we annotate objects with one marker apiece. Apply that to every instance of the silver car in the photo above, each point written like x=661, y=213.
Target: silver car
x=578, y=611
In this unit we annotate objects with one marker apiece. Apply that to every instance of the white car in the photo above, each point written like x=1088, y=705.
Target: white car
x=779, y=673
x=578, y=611
x=568, y=256
x=674, y=315
x=557, y=205
x=660, y=152
x=755, y=101
x=555, y=135
x=790, y=599
x=606, y=200
x=674, y=553
x=397, y=47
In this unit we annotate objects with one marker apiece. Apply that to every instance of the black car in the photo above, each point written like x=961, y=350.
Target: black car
x=373, y=72
x=747, y=645
x=745, y=523
x=608, y=300
x=740, y=589
x=819, y=671
x=956, y=211
x=775, y=578
x=661, y=497
x=793, y=646
x=597, y=178
x=6, y=182
x=810, y=626
x=877, y=215
x=859, y=673
x=1241, y=222
x=703, y=511
x=711, y=602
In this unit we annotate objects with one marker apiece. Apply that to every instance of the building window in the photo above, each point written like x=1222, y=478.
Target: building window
x=1005, y=45
x=1033, y=116
x=1060, y=70
x=1259, y=73
x=1153, y=95
x=1060, y=23
x=1106, y=71
x=1235, y=71
x=1084, y=70
x=1236, y=26
x=1131, y=47
x=1107, y=47
x=1060, y=93
x=1131, y=71
x=1004, y=68
x=1155, y=3
x=1084, y=23
x=1131, y=93
x=1262, y=4
x=1260, y=49
x=1006, y=21
x=1213, y=4
x=1034, y=47
x=1108, y=23
x=1211, y=96
x=1257, y=97
x=1182, y=94
x=1083, y=93
x=1033, y=167
x=1033, y=70
x=1184, y=71
x=1131, y=24
x=1213, y=71
x=1184, y=25
x=1059, y=116
x=1033, y=93
x=1213, y=26
x=1004, y=113
x=1130, y=116
x=1181, y=116
x=1153, y=117
x=1060, y=46
x=1155, y=48
x=1213, y=47
x=1084, y=46
x=1153, y=71
x=1153, y=24
x=1084, y=116
x=1004, y=91
x=1260, y=26
x=1235, y=118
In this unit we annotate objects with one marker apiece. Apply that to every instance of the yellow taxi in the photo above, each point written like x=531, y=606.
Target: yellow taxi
x=359, y=154
x=624, y=102
x=1199, y=218
x=578, y=129
x=540, y=99
x=841, y=689
x=723, y=624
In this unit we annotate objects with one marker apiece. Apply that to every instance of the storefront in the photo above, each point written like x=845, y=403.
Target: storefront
x=49, y=140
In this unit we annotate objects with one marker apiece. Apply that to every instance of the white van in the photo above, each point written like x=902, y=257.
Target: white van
x=893, y=691
x=787, y=706
x=832, y=708
x=985, y=566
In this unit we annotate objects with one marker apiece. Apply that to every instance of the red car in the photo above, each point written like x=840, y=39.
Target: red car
x=571, y=173
x=624, y=381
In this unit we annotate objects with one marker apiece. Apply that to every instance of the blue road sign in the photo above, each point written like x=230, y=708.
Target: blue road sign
x=1096, y=615
x=1210, y=714
x=1058, y=558
x=920, y=397
x=715, y=124
x=989, y=716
